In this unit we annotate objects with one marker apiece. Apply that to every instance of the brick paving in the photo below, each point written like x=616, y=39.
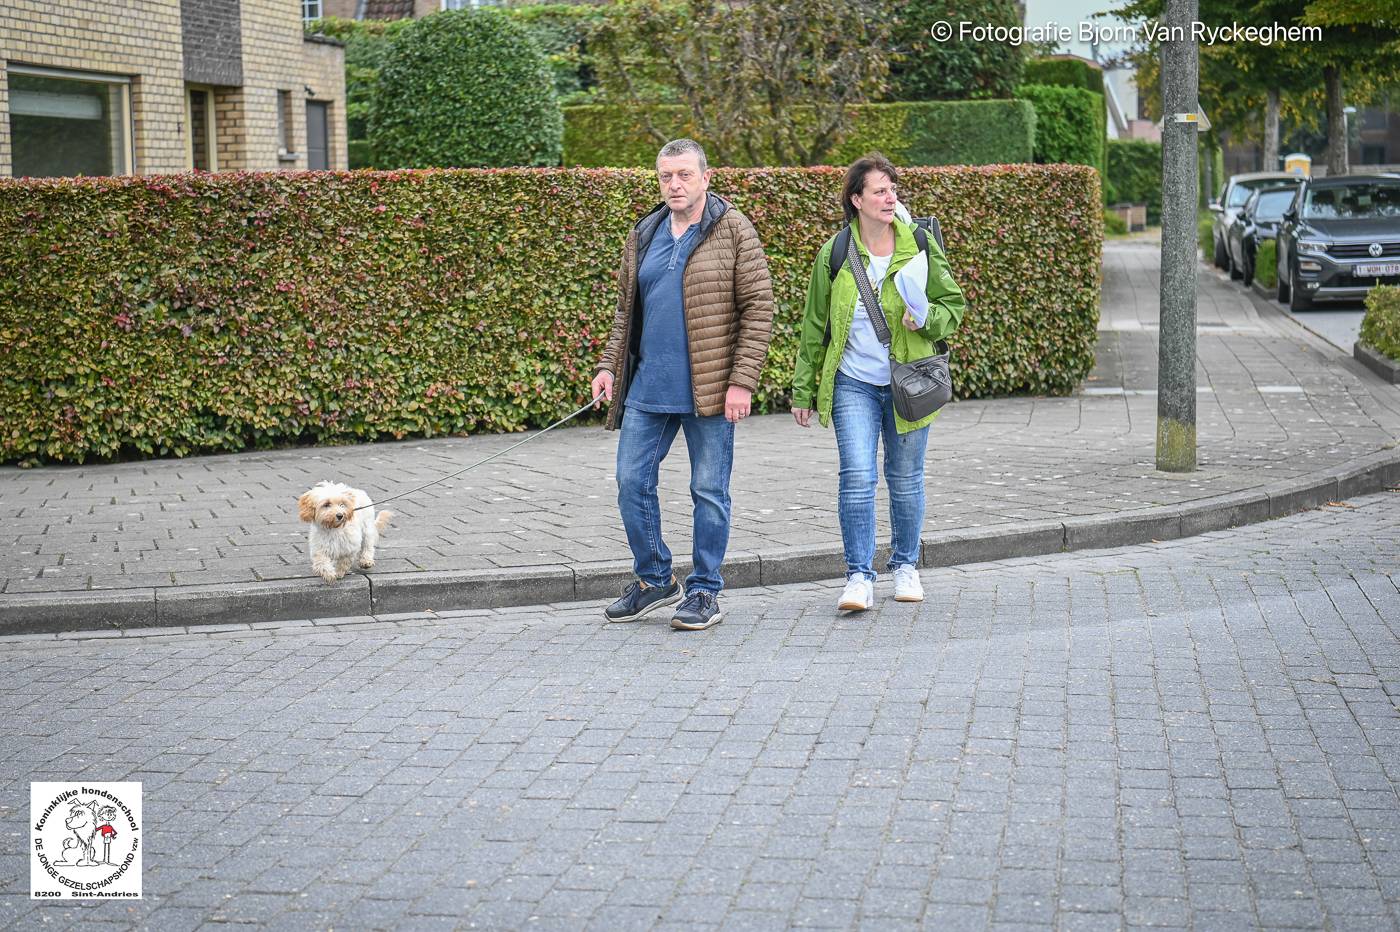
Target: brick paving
x=1201, y=733
x=1275, y=403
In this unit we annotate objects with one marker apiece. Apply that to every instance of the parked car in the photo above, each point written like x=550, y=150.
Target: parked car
x=1256, y=222
x=1236, y=191
x=1339, y=238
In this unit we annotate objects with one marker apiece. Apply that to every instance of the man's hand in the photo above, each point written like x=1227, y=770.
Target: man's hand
x=602, y=385
x=736, y=403
x=803, y=416
x=909, y=322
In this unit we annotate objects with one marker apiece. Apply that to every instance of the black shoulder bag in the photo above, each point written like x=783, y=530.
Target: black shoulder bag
x=919, y=388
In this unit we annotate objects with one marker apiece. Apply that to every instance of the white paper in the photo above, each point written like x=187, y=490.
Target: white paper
x=912, y=282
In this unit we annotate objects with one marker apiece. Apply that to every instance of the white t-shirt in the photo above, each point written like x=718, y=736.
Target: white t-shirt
x=865, y=357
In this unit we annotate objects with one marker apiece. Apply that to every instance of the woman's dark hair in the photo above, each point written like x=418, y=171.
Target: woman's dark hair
x=855, y=179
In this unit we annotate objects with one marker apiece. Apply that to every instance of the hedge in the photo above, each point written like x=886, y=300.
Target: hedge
x=190, y=313
x=1071, y=125
x=561, y=31
x=1135, y=174
x=1065, y=72
x=1265, y=263
x=972, y=132
x=1381, y=325
x=1205, y=236
x=464, y=88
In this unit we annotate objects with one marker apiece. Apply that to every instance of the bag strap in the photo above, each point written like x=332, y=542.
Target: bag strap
x=868, y=296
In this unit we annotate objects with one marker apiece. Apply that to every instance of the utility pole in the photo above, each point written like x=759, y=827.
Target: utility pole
x=1176, y=348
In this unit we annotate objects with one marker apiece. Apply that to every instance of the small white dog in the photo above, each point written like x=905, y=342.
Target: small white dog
x=340, y=533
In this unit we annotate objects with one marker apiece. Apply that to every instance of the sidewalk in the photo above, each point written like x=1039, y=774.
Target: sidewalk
x=1285, y=422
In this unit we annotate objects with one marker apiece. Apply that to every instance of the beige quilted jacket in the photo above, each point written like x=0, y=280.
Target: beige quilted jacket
x=728, y=301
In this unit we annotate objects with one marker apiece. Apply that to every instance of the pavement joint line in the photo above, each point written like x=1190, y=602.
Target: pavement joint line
x=473, y=591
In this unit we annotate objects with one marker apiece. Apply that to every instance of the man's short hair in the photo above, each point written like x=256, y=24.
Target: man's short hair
x=683, y=147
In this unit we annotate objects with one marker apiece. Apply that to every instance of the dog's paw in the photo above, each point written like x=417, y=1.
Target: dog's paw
x=366, y=564
x=329, y=576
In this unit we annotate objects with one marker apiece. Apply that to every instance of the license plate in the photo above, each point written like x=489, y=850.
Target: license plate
x=1366, y=271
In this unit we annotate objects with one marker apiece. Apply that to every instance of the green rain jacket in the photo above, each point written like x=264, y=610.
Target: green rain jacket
x=834, y=300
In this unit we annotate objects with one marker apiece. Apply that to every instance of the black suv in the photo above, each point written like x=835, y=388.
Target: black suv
x=1339, y=238
x=1256, y=222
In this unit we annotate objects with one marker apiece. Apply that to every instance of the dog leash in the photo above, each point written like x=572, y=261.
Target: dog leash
x=488, y=459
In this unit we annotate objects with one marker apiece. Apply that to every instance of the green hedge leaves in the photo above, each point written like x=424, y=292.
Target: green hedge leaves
x=976, y=132
x=464, y=88
x=199, y=313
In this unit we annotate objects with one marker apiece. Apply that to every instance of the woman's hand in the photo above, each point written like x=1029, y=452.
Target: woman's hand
x=803, y=416
x=909, y=323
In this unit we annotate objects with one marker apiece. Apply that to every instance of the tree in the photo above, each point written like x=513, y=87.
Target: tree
x=467, y=88
x=763, y=83
x=1369, y=38
x=1359, y=51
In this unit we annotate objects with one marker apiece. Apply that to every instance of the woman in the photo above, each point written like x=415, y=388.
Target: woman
x=844, y=368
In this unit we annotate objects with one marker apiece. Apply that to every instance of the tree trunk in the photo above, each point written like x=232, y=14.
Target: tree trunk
x=1271, y=153
x=1336, y=122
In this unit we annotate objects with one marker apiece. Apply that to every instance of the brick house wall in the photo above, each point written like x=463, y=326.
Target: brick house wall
x=325, y=74
x=136, y=38
x=243, y=51
x=272, y=62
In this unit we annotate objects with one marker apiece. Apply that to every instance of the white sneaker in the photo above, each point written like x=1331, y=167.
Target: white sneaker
x=907, y=587
x=858, y=595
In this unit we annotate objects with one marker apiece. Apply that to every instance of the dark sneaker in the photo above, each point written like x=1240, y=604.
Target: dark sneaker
x=699, y=611
x=639, y=598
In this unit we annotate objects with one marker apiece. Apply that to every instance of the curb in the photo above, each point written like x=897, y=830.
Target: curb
x=241, y=604
x=1379, y=363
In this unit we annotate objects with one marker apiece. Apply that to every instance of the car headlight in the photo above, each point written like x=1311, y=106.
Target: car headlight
x=1311, y=245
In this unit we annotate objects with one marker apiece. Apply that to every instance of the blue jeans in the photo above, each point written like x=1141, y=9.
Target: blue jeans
x=646, y=438
x=862, y=413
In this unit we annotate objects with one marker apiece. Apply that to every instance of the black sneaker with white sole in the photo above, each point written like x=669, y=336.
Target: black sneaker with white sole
x=699, y=610
x=639, y=598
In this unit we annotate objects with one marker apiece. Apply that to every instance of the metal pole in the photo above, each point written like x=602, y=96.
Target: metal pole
x=1176, y=351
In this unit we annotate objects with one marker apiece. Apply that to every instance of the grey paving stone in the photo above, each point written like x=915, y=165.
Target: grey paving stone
x=1194, y=734
x=1010, y=477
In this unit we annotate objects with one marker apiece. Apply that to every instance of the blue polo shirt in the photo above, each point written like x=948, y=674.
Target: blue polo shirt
x=662, y=382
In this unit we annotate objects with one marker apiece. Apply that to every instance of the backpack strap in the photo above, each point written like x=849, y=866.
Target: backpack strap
x=838, y=252
x=921, y=238
x=922, y=227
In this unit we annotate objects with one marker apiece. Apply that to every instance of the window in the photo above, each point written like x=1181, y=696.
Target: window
x=1373, y=199
x=468, y=4
x=69, y=123
x=310, y=9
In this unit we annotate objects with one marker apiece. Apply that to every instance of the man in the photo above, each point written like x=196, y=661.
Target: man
x=694, y=315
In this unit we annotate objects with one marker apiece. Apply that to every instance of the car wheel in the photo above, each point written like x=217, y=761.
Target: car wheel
x=1298, y=299
x=1221, y=256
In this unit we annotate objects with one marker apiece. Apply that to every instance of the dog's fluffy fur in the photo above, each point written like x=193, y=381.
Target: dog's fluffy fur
x=339, y=533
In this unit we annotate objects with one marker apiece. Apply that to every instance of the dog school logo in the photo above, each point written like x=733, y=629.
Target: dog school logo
x=86, y=840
